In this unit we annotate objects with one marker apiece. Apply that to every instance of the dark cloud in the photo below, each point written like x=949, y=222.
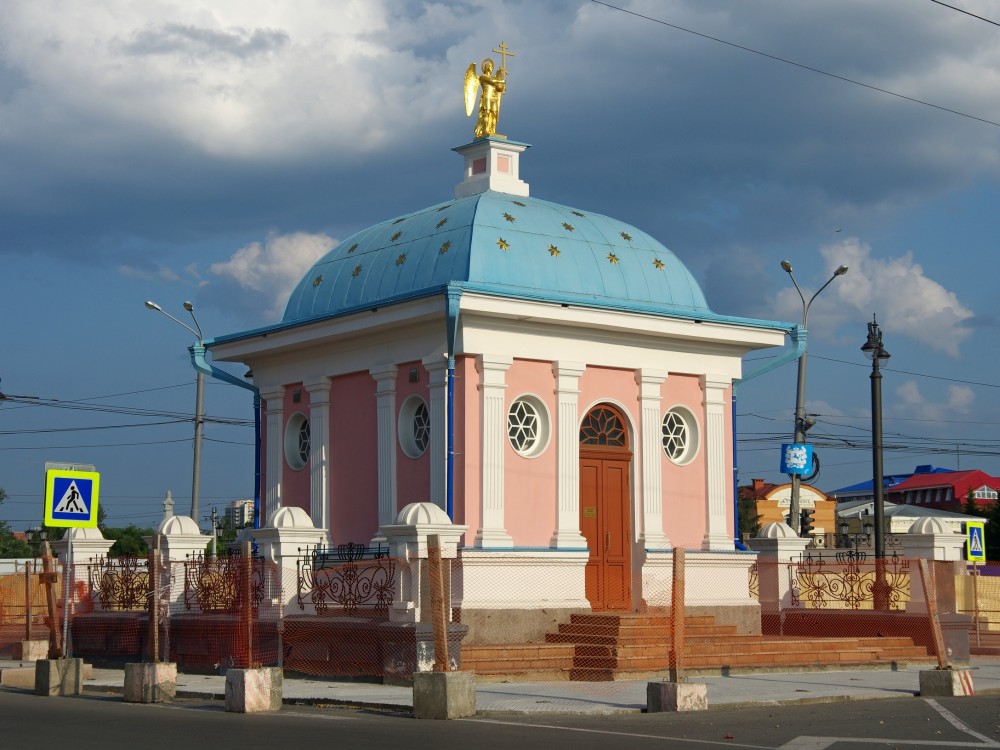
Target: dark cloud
x=171, y=39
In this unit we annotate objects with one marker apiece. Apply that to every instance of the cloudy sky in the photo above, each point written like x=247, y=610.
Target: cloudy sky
x=212, y=150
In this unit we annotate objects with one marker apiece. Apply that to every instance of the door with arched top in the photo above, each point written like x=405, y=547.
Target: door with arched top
x=605, y=462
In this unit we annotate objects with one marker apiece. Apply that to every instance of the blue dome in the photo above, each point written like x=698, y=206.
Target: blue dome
x=501, y=244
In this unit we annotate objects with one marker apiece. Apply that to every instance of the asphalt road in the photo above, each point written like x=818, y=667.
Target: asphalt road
x=89, y=721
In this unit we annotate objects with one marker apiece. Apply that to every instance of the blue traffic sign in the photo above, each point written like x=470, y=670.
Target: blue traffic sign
x=71, y=498
x=975, y=541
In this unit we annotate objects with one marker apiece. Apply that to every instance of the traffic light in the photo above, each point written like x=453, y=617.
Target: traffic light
x=806, y=526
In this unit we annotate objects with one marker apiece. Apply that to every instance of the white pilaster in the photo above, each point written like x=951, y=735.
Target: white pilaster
x=567, y=532
x=275, y=400
x=437, y=370
x=493, y=421
x=385, y=406
x=716, y=536
x=319, y=454
x=651, y=453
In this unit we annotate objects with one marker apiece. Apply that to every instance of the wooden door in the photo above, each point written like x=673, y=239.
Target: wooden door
x=604, y=512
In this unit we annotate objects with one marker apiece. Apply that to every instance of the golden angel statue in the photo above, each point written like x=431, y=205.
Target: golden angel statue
x=493, y=87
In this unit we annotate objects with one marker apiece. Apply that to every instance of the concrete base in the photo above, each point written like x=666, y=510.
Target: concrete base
x=30, y=650
x=662, y=697
x=150, y=683
x=58, y=677
x=253, y=690
x=947, y=683
x=408, y=648
x=444, y=695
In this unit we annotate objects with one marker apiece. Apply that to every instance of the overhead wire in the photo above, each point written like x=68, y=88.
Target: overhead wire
x=803, y=66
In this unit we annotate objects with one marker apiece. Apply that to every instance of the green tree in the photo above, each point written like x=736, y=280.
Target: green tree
x=970, y=508
x=128, y=541
x=749, y=518
x=10, y=545
x=992, y=532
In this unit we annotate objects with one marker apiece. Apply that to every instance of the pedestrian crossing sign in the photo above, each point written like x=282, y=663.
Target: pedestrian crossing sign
x=975, y=541
x=71, y=498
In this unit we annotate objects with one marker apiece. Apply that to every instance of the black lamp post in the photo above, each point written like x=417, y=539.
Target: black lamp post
x=874, y=350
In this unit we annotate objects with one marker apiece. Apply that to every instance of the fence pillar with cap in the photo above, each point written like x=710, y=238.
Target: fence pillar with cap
x=409, y=636
x=778, y=548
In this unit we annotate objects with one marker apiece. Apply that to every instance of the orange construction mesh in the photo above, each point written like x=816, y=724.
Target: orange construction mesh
x=210, y=614
x=22, y=605
x=528, y=615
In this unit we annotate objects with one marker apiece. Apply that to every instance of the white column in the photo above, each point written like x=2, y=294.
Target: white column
x=567, y=532
x=651, y=457
x=716, y=472
x=437, y=369
x=319, y=454
x=275, y=400
x=385, y=406
x=493, y=423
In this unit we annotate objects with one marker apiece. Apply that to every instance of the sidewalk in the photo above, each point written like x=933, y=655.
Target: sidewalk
x=595, y=698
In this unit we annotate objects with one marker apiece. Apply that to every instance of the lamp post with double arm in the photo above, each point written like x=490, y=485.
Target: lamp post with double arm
x=801, y=422
x=199, y=407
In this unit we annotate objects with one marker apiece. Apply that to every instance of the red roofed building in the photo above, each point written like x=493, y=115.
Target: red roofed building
x=947, y=491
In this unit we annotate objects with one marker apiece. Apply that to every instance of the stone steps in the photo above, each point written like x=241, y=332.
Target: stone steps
x=598, y=647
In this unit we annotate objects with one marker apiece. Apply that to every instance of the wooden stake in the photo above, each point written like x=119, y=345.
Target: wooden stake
x=930, y=595
x=50, y=577
x=247, y=598
x=439, y=621
x=27, y=599
x=677, y=618
x=153, y=563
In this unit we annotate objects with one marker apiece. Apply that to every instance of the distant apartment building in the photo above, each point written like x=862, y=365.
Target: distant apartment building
x=239, y=513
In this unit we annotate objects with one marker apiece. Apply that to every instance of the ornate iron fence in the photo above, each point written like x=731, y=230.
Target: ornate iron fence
x=348, y=577
x=214, y=585
x=848, y=580
x=120, y=584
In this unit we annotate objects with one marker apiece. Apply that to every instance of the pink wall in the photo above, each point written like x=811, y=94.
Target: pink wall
x=684, y=487
x=413, y=479
x=354, y=459
x=295, y=483
x=530, y=483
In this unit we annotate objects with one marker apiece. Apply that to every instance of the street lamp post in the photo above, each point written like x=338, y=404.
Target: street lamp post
x=874, y=350
x=199, y=405
x=801, y=423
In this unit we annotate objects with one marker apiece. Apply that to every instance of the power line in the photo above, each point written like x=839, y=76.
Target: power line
x=960, y=10
x=799, y=65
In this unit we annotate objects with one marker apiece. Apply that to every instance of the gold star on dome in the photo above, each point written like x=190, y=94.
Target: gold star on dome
x=503, y=244
x=401, y=259
x=396, y=236
x=518, y=203
x=442, y=222
x=613, y=258
x=445, y=247
x=356, y=271
x=509, y=218
x=318, y=280
x=553, y=251
x=658, y=263
x=569, y=227
x=352, y=248
x=626, y=236
x=577, y=213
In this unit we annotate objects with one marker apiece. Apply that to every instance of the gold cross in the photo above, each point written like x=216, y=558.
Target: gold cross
x=504, y=54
